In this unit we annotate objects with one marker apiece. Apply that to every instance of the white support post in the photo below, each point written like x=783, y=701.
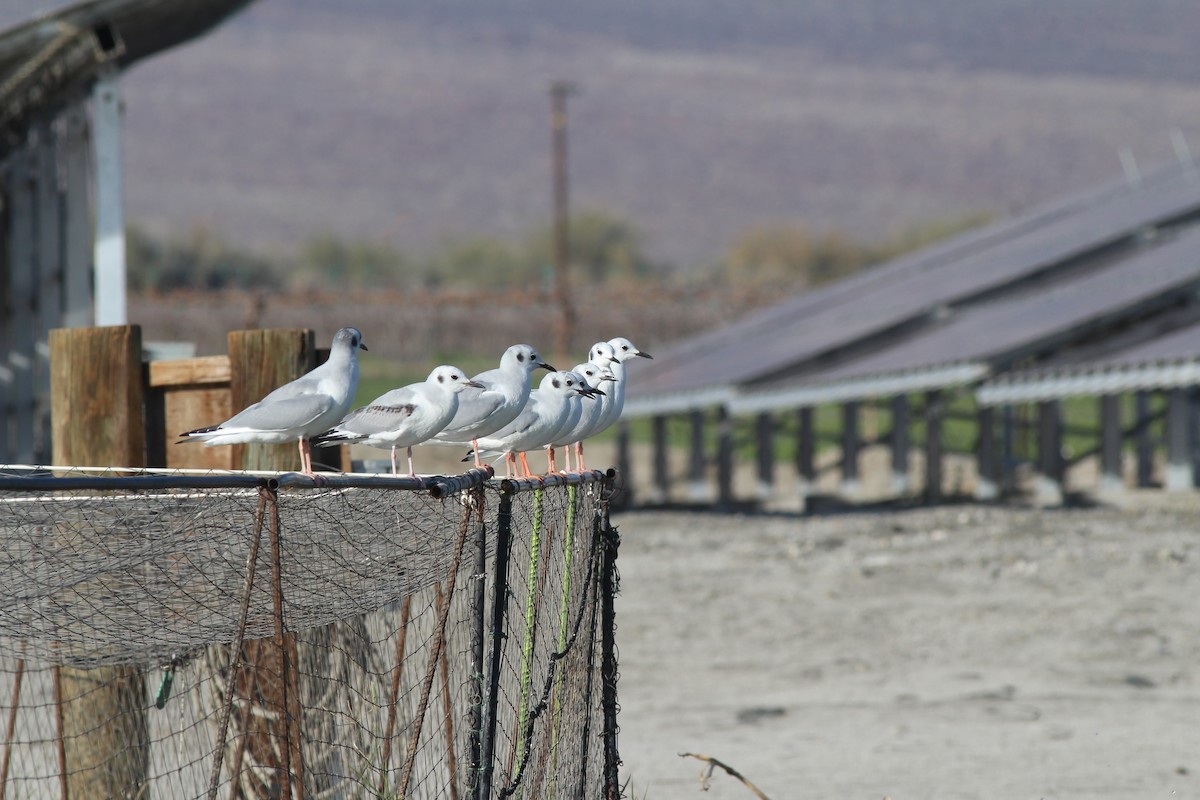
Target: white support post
x=110, y=222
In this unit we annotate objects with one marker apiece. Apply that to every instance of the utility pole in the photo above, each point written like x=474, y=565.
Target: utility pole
x=559, y=91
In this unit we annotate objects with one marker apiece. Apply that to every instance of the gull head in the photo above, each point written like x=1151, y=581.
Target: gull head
x=524, y=356
x=451, y=379
x=602, y=354
x=349, y=339
x=626, y=349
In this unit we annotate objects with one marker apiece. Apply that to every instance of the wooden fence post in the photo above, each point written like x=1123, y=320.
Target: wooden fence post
x=96, y=412
x=259, y=362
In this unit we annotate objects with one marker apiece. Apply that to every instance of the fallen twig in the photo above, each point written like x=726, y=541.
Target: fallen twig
x=706, y=775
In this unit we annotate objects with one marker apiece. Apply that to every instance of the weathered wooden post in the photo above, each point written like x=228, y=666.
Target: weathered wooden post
x=96, y=418
x=259, y=362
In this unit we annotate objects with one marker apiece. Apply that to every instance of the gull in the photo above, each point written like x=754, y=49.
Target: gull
x=505, y=391
x=613, y=354
x=575, y=407
x=594, y=376
x=299, y=410
x=535, y=425
x=406, y=416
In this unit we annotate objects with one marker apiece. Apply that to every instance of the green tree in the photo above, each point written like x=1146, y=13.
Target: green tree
x=329, y=260
x=603, y=248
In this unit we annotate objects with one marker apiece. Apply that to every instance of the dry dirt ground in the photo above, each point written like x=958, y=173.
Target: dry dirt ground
x=960, y=651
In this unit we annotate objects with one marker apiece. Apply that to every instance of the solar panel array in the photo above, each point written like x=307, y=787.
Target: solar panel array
x=961, y=300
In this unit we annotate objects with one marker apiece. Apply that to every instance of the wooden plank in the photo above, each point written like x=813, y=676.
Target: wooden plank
x=190, y=371
x=96, y=401
x=186, y=408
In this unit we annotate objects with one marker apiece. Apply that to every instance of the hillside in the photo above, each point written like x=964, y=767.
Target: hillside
x=697, y=119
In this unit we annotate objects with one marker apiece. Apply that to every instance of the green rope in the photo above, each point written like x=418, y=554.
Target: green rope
x=563, y=615
x=535, y=547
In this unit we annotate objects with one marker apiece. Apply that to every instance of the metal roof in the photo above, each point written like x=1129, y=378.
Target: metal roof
x=872, y=307
x=45, y=62
x=1167, y=361
x=965, y=345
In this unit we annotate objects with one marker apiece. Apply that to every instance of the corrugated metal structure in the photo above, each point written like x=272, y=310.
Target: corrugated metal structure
x=1091, y=273
x=1166, y=361
x=61, y=228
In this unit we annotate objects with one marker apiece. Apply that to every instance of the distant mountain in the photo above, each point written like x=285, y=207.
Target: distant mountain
x=697, y=119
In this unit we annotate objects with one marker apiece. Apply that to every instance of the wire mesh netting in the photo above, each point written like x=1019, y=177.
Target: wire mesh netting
x=237, y=636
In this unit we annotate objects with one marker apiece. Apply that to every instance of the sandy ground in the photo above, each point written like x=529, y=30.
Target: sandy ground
x=962, y=651
x=958, y=651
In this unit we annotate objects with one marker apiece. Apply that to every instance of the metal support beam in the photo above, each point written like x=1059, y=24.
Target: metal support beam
x=850, y=446
x=110, y=221
x=899, y=444
x=806, y=467
x=1143, y=442
x=934, y=411
x=1049, y=488
x=697, y=466
x=48, y=302
x=661, y=476
x=77, y=220
x=1008, y=452
x=987, y=485
x=16, y=370
x=764, y=429
x=1112, y=476
x=625, y=464
x=1178, y=476
x=724, y=457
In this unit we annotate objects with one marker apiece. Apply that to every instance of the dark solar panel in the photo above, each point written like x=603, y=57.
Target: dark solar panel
x=912, y=288
x=1006, y=330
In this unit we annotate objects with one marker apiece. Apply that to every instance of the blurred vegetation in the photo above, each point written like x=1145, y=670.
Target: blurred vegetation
x=796, y=257
x=605, y=250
